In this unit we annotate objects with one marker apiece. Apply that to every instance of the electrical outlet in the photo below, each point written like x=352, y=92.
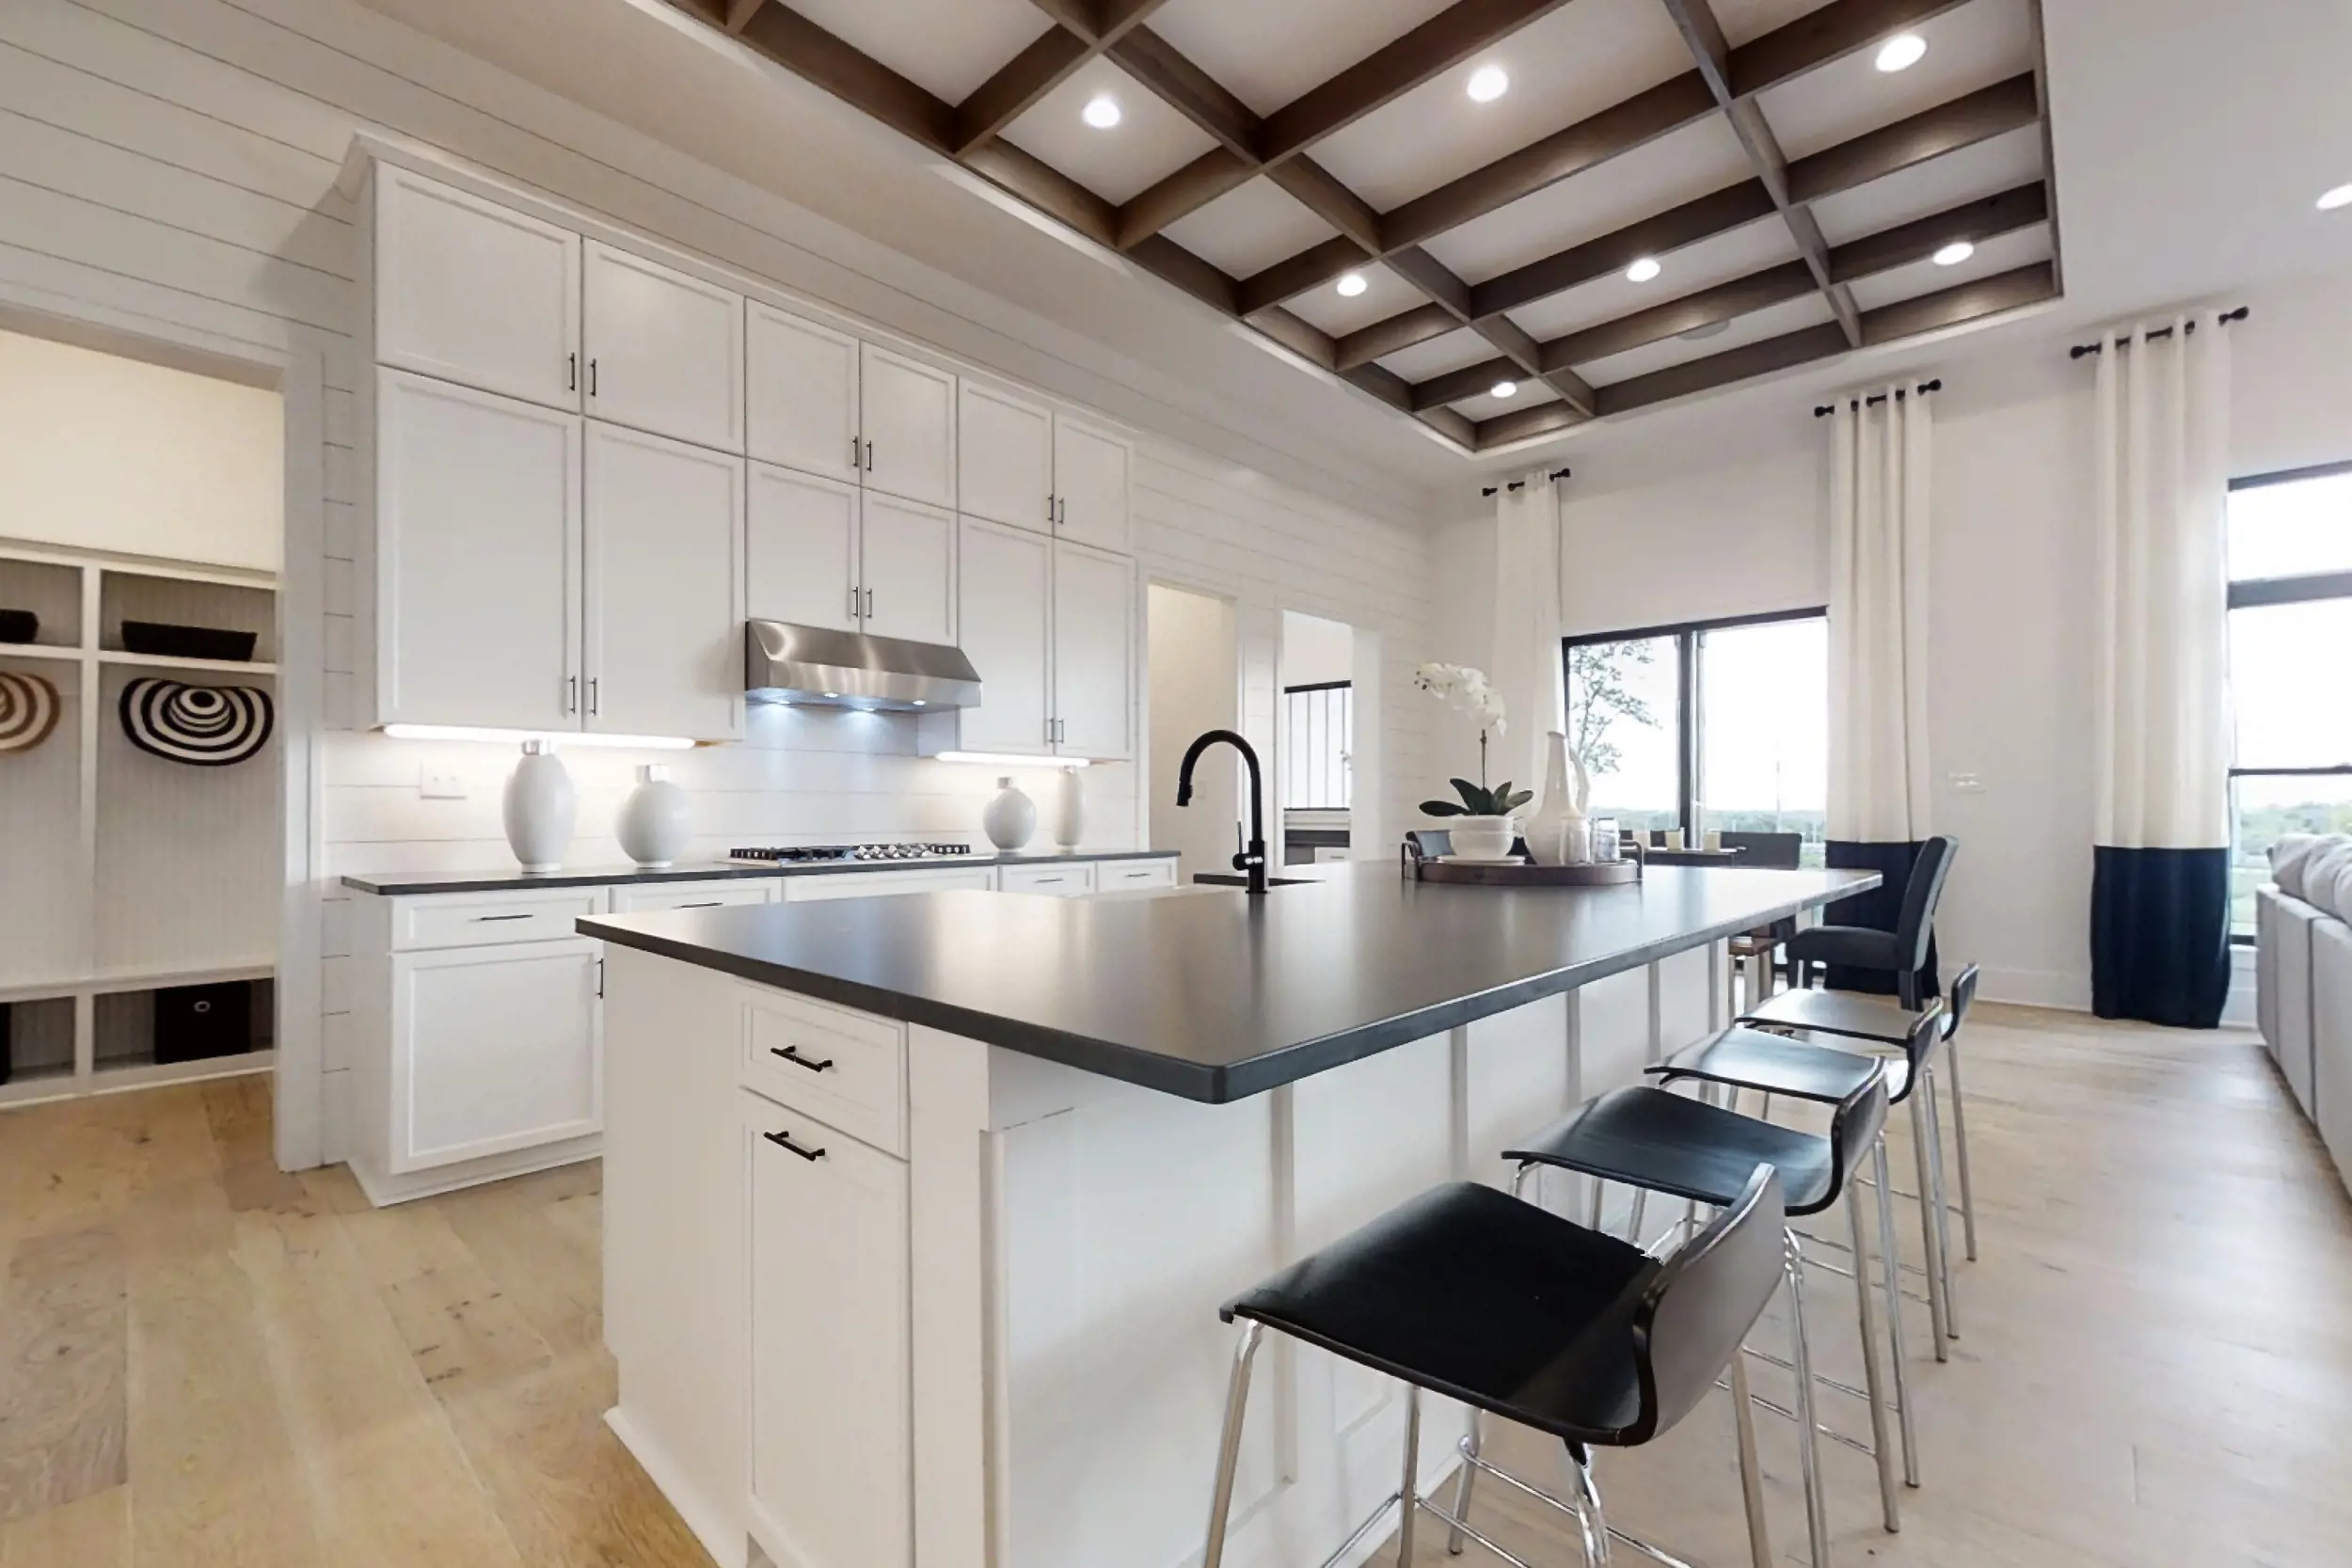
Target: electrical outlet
x=1969, y=783
x=443, y=786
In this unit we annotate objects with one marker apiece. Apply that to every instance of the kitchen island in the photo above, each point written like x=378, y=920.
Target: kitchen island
x=919, y=1210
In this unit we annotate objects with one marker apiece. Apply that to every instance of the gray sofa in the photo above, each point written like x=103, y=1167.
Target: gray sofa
x=2303, y=979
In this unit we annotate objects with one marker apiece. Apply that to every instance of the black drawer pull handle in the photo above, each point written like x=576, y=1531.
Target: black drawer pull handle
x=784, y=1141
x=707, y=904
x=526, y=915
x=792, y=1054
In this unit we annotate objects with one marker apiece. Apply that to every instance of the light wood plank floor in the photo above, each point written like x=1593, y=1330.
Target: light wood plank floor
x=203, y=1361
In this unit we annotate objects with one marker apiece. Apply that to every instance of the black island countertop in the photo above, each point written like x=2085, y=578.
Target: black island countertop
x=397, y=884
x=1207, y=993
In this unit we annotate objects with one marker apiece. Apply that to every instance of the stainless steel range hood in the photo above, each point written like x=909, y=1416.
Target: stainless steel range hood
x=787, y=663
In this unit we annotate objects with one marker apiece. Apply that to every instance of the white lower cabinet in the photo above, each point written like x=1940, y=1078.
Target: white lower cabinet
x=644, y=897
x=870, y=884
x=1130, y=876
x=832, y=1464
x=1065, y=879
x=493, y=1048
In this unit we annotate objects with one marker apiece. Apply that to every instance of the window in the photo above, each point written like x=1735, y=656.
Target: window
x=1717, y=726
x=2290, y=542
x=1317, y=770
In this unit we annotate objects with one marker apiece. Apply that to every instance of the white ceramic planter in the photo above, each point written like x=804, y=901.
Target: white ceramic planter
x=540, y=807
x=1070, y=815
x=1010, y=819
x=1484, y=838
x=656, y=821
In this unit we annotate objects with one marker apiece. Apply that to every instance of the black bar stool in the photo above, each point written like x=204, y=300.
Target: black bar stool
x=1655, y=1141
x=1901, y=952
x=1472, y=1295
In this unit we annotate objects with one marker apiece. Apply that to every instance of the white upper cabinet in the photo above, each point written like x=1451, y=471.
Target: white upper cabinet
x=907, y=569
x=470, y=291
x=801, y=395
x=1005, y=457
x=666, y=350
x=909, y=426
x=1005, y=627
x=1090, y=485
x=801, y=547
x=478, y=558
x=1094, y=633
x=664, y=628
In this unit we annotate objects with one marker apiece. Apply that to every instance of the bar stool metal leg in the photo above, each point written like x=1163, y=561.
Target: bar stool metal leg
x=1808, y=1425
x=1590, y=1521
x=1923, y=1152
x=1472, y=1445
x=1890, y=1278
x=1228, y=1450
x=1408, y=1489
x=1882, y=1444
x=1942, y=1204
x=1751, y=1466
x=1959, y=1141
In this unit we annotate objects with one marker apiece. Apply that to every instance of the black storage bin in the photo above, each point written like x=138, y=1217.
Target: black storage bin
x=178, y=641
x=195, y=1023
x=19, y=626
x=3, y=1042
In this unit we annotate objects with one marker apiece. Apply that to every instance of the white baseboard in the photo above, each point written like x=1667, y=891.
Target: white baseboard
x=384, y=1189
x=723, y=1537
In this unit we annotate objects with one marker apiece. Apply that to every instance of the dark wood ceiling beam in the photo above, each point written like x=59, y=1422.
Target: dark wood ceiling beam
x=1434, y=278
x=1453, y=426
x=1721, y=369
x=1435, y=47
x=1319, y=191
x=1164, y=258
x=1986, y=296
x=1977, y=222
x=1521, y=423
x=1719, y=213
x=1420, y=325
x=740, y=13
x=1758, y=290
x=791, y=40
x=1816, y=38
x=1027, y=78
x=1382, y=383
x=1189, y=91
x=1301, y=337
x=1468, y=382
x=1439, y=281
x=1285, y=280
x=1190, y=189
x=1979, y=116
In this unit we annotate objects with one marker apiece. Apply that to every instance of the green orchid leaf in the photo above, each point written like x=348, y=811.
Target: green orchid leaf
x=1442, y=808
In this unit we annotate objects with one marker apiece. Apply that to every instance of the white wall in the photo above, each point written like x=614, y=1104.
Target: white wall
x=1316, y=651
x=1195, y=680
x=166, y=169
x=200, y=477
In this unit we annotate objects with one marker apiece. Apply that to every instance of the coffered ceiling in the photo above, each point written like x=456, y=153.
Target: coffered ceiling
x=1787, y=197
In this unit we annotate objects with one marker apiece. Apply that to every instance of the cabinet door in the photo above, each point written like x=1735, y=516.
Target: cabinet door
x=830, y=1398
x=908, y=422
x=800, y=394
x=907, y=565
x=1090, y=479
x=876, y=884
x=800, y=549
x=1004, y=457
x=494, y=1049
x=1005, y=627
x=478, y=558
x=1094, y=624
x=663, y=622
x=469, y=292
x=666, y=350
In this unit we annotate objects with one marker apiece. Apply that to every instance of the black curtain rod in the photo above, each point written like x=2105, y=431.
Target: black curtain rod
x=2079, y=350
x=1555, y=475
x=1825, y=410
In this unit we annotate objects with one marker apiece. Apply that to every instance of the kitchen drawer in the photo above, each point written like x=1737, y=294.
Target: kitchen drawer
x=875, y=884
x=1116, y=876
x=1066, y=880
x=845, y=1069
x=644, y=897
x=488, y=919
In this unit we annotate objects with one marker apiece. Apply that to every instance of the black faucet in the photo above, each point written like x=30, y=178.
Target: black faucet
x=1251, y=860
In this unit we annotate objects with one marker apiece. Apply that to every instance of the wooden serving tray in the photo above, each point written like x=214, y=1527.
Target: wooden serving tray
x=1606, y=874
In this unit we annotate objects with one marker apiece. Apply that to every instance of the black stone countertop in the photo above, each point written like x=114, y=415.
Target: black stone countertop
x=395, y=884
x=1207, y=993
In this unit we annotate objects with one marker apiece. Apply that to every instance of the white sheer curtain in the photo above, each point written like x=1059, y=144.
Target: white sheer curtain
x=1527, y=654
x=2163, y=454
x=1883, y=458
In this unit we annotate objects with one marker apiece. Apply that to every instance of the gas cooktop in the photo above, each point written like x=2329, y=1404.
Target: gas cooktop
x=801, y=854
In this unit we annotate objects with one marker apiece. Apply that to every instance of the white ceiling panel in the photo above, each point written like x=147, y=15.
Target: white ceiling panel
x=1988, y=168
x=1336, y=313
x=1974, y=46
x=1455, y=351
x=1994, y=256
x=1570, y=65
x=947, y=47
x=1149, y=142
x=1531, y=394
x=1812, y=310
x=1745, y=21
x=1698, y=159
x=1751, y=247
x=1249, y=229
x=1266, y=54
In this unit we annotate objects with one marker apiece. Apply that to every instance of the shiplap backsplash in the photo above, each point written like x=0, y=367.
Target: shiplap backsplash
x=166, y=167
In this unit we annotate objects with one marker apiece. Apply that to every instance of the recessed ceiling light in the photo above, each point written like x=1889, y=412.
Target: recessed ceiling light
x=1504, y=389
x=1102, y=111
x=1489, y=83
x=1901, y=52
x=1352, y=283
x=1705, y=330
x=2340, y=197
x=1955, y=253
x=1643, y=270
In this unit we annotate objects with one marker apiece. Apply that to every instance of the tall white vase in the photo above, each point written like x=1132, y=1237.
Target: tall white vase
x=540, y=808
x=1070, y=809
x=1558, y=833
x=656, y=821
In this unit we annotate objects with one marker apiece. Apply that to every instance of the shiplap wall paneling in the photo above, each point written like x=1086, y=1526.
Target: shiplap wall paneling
x=44, y=892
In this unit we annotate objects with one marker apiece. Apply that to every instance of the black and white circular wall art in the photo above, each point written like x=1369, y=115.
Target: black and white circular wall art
x=204, y=726
x=28, y=711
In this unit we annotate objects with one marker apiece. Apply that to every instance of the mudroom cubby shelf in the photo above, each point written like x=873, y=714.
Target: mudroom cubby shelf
x=129, y=875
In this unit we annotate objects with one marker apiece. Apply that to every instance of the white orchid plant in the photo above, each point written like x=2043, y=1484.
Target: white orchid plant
x=1466, y=692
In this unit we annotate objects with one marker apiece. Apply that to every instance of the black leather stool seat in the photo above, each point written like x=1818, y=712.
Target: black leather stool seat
x=1484, y=1298
x=1646, y=1137
x=1755, y=1059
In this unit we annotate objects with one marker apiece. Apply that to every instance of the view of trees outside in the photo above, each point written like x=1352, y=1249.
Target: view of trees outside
x=1621, y=721
x=2287, y=668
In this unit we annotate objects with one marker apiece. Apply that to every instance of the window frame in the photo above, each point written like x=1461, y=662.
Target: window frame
x=1688, y=707
x=2263, y=592
x=1346, y=757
